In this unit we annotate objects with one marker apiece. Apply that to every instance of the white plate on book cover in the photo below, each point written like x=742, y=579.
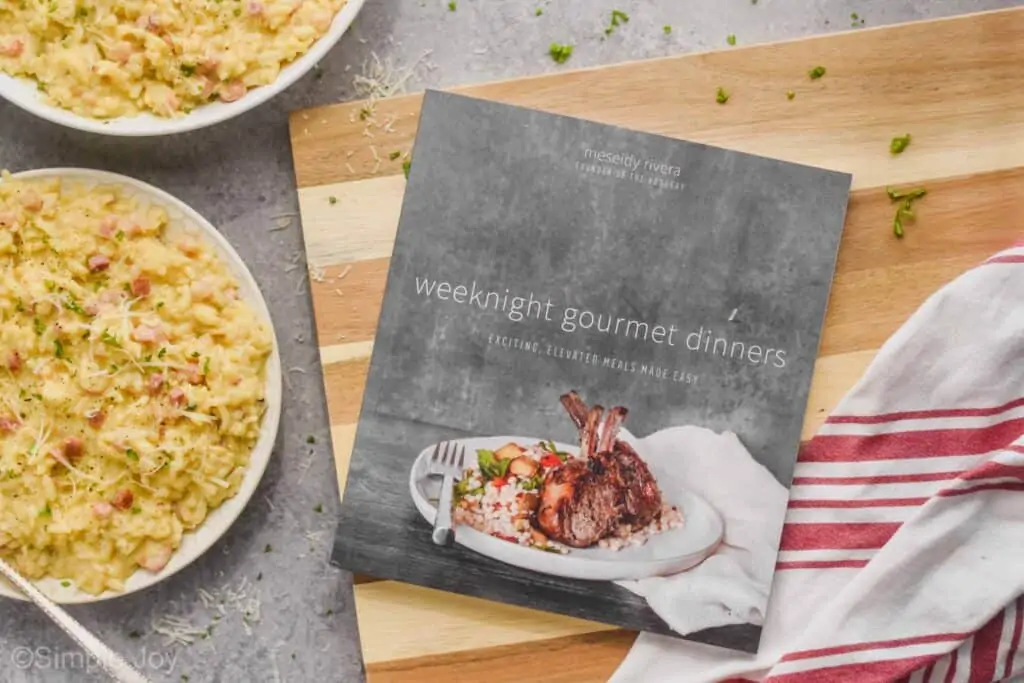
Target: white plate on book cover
x=665, y=553
x=182, y=218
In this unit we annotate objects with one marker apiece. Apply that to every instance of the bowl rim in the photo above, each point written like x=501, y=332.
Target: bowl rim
x=261, y=452
x=17, y=92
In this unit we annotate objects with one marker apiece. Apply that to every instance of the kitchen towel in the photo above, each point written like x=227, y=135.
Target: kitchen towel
x=902, y=556
x=732, y=585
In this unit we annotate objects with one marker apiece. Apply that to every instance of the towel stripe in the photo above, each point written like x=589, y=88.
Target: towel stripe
x=985, y=649
x=829, y=536
x=877, y=479
x=926, y=414
x=918, y=444
x=1018, y=626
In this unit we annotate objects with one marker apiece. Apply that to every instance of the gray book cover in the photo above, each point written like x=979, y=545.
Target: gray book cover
x=606, y=339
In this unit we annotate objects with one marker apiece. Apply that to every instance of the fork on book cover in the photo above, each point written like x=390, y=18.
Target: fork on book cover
x=448, y=461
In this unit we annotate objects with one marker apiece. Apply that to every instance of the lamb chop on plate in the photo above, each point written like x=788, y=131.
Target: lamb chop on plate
x=608, y=486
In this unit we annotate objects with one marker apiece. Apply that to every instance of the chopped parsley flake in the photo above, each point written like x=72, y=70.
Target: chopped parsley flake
x=394, y=155
x=188, y=70
x=560, y=52
x=816, y=73
x=618, y=18
x=318, y=508
x=46, y=511
x=58, y=348
x=131, y=454
x=538, y=12
x=731, y=39
x=109, y=339
x=898, y=144
x=905, y=210
x=267, y=548
x=406, y=167
x=452, y=6
x=790, y=94
x=38, y=326
x=310, y=439
x=136, y=634
x=332, y=200
x=666, y=29
x=722, y=96
x=65, y=584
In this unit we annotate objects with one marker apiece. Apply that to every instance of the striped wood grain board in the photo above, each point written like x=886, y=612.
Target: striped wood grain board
x=954, y=84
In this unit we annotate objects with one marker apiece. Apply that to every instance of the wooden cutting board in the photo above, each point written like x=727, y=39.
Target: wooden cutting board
x=954, y=85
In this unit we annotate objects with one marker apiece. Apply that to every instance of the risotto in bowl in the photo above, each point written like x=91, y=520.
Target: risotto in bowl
x=154, y=67
x=140, y=383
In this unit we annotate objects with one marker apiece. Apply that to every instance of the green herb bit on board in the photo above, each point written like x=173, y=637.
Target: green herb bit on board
x=406, y=167
x=666, y=29
x=899, y=144
x=790, y=94
x=394, y=155
x=618, y=18
x=905, y=210
x=452, y=6
x=816, y=73
x=731, y=39
x=538, y=12
x=560, y=52
x=722, y=96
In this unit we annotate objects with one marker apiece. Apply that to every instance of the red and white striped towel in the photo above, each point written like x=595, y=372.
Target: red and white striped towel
x=902, y=557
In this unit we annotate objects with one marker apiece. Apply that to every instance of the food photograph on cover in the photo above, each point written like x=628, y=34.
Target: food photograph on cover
x=589, y=375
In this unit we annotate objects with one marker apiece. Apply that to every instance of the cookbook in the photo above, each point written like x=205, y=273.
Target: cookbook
x=591, y=370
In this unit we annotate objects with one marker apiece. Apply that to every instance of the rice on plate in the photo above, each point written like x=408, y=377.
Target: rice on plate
x=501, y=495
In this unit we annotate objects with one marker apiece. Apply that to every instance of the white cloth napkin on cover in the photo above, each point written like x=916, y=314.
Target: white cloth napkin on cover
x=903, y=551
x=731, y=586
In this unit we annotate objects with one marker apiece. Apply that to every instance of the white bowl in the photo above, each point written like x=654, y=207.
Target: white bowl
x=24, y=93
x=195, y=543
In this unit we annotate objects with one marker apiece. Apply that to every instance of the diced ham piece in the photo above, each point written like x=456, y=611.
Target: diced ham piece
x=209, y=85
x=123, y=499
x=193, y=375
x=96, y=418
x=255, y=9
x=177, y=396
x=141, y=286
x=14, y=361
x=157, y=559
x=73, y=449
x=31, y=200
x=156, y=383
x=232, y=91
x=209, y=65
x=102, y=510
x=121, y=52
x=108, y=226
x=98, y=263
x=9, y=424
x=13, y=48
x=149, y=22
x=111, y=296
x=202, y=288
x=188, y=248
x=147, y=334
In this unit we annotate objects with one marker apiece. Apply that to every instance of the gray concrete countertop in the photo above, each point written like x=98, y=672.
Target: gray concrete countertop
x=239, y=175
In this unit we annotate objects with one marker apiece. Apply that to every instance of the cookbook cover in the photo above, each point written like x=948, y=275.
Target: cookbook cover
x=593, y=357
